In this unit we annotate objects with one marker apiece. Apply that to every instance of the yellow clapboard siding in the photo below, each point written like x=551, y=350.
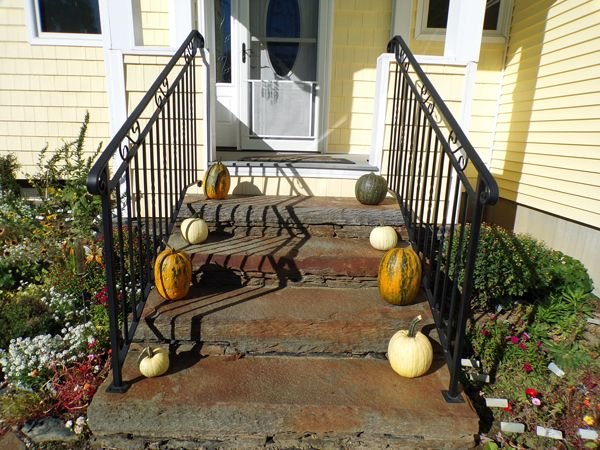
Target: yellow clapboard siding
x=545, y=149
x=564, y=161
x=557, y=114
x=46, y=90
x=560, y=198
x=558, y=137
x=549, y=126
x=570, y=211
x=556, y=102
x=154, y=18
x=526, y=181
x=547, y=77
x=360, y=34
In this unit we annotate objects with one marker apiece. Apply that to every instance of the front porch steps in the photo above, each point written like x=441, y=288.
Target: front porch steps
x=281, y=342
x=281, y=403
x=284, y=320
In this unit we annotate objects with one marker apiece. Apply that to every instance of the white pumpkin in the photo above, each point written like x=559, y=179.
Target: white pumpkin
x=383, y=238
x=153, y=362
x=194, y=230
x=410, y=353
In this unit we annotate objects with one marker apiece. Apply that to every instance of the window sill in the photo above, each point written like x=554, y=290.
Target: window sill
x=67, y=41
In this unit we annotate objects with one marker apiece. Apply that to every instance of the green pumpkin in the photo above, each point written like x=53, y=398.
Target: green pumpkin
x=370, y=189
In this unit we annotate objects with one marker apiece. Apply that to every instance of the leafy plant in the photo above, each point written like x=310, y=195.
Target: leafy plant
x=61, y=181
x=511, y=266
x=22, y=314
x=9, y=188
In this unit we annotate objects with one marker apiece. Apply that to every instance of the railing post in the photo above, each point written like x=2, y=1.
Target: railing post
x=113, y=310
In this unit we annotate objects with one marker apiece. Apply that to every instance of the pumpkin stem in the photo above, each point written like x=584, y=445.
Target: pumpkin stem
x=173, y=249
x=147, y=352
x=413, y=325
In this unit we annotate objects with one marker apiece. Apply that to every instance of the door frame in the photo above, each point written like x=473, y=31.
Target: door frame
x=206, y=20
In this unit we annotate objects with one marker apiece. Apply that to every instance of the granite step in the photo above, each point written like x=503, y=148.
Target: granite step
x=283, y=259
x=280, y=402
x=316, y=216
x=288, y=320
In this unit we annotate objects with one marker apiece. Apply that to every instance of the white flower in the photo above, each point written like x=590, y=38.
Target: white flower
x=69, y=424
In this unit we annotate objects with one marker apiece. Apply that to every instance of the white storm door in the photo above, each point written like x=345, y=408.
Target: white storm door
x=279, y=86
x=227, y=73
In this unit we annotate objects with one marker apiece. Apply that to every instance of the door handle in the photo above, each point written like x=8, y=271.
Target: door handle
x=245, y=52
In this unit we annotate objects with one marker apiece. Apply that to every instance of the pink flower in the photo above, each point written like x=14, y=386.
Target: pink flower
x=527, y=367
x=525, y=336
x=514, y=340
x=536, y=401
x=522, y=346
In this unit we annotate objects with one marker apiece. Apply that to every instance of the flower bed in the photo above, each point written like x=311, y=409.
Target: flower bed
x=533, y=373
x=53, y=316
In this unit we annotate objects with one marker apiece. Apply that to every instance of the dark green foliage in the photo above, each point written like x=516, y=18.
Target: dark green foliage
x=513, y=266
x=9, y=188
x=24, y=315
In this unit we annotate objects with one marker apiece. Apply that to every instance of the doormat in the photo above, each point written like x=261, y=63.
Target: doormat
x=296, y=158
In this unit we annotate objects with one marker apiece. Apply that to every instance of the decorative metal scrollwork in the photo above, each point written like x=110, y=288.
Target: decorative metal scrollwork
x=161, y=93
x=190, y=50
x=125, y=148
x=458, y=150
x=426, y=98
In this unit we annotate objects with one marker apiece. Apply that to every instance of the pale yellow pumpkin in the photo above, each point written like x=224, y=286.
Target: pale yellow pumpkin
x=153, y=362
x=410, y=352
x=383, y=237
x=194, y=230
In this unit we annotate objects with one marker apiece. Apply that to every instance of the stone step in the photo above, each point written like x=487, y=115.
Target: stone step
x=315, y=216
x=280, y=402
x=290, y=320
x=310, y=260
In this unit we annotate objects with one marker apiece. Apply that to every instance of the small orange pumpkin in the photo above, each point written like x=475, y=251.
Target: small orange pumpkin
x=216, y=182
x=172, y=274
x=399, y=278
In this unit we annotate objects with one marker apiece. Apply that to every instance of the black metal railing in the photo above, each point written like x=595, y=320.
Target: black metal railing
x=442, y=187
x=142, y=177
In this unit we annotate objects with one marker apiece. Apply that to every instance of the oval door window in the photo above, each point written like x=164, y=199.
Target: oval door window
x=283, y=21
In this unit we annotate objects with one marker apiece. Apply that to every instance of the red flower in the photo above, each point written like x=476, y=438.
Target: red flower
x=522, y=346
x=527, y=367
x=485, y=332
x=508, y=408
x=514, y=340
x=531, y=392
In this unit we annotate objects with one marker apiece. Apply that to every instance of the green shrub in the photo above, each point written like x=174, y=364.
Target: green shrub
x=513, y=266
x=23, y=314
x=9, y=187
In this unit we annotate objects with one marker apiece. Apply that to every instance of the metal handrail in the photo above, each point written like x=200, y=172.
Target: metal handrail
x=442, y=186
x=142, y=177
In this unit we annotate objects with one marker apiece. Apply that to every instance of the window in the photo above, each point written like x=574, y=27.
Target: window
x=64, y=21
x=432, y=17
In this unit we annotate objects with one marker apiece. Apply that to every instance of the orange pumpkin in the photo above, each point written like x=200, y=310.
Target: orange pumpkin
x=399, y=278
x=216, y=182
x=172, y=274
